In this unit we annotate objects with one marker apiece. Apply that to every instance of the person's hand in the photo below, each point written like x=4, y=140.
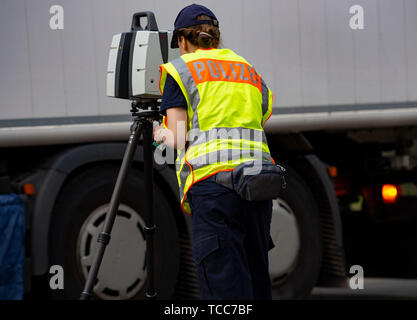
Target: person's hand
x=158, y=134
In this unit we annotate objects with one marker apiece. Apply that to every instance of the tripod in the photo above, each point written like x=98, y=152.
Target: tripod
x=142, y=124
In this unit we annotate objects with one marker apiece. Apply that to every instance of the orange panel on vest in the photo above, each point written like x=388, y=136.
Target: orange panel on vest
x=220, y=70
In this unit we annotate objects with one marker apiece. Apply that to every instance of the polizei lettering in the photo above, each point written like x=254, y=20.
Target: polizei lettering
x=177, y=310
x=218, y=70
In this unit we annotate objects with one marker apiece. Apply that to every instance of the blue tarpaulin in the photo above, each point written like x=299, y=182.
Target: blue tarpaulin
x=12, y=250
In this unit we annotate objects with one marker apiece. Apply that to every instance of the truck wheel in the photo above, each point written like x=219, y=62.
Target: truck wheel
x=295, y=260
x=78, y=219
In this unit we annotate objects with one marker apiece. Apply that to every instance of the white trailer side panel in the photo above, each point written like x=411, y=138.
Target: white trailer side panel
x=340, y=57
x=392, y=50
x=304, y=49
x=365, y=44
x=410, y=8
x=287, y=75
x=81, y=90
x=15, y=80
x=46, y=59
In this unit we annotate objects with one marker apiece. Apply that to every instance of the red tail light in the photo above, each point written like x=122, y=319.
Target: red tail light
x=389, y=193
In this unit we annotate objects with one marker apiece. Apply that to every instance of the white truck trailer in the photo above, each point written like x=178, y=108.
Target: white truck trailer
x=344, y=124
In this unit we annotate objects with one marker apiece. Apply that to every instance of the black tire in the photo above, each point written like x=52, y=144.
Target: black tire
x=300, y=281
x=91, y=189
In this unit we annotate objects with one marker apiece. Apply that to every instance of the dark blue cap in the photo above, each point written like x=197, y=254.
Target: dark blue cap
x=188, y=17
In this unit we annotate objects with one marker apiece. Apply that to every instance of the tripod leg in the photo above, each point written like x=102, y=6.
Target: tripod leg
x=104, y=236
x=149, y=218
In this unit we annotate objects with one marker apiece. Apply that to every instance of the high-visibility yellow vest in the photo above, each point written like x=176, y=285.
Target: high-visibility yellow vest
x=227, y=105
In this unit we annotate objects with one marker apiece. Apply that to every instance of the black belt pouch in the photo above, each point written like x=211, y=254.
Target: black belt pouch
x=258, y=181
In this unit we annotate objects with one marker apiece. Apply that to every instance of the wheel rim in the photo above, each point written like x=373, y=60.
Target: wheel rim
x=122, y=272
x=285, y=235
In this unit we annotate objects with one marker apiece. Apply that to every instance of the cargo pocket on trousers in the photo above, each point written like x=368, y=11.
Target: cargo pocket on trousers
x=202, y=249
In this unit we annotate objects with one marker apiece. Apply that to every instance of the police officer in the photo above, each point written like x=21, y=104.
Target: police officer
x=217, y=100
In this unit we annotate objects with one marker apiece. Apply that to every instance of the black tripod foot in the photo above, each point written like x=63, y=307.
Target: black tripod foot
x=85, y=296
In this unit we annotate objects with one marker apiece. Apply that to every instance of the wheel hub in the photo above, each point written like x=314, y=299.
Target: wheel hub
x=285, y=235
x=122, y=272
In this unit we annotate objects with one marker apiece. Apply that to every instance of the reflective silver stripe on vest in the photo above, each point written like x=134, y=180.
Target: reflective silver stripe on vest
x=190, y=86
x=225, y=133
x=197, y=137
x=179, y=160
x=265, y=98
x=228, y=155
x=183, y=174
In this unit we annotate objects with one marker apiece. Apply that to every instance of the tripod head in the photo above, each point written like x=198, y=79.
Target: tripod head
x=146, y=108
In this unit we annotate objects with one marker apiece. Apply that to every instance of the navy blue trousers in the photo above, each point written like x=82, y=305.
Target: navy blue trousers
x=231, y=240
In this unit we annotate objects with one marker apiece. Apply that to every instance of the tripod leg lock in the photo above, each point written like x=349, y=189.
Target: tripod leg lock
x=103, y=238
